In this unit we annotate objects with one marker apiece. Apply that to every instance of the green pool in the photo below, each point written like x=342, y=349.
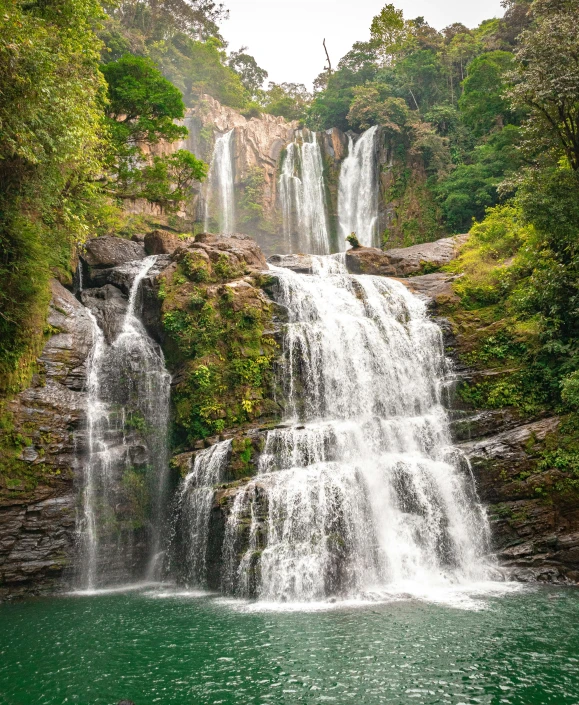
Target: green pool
x=152, y=646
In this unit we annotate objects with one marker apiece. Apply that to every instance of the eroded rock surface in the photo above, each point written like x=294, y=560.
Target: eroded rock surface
x=37, y=497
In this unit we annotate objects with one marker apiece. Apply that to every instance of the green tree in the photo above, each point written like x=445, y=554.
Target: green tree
x=483, y=103
x=289, y=100
x=141, y=111
x=546, y=80
x=251, y=75
x=51, y=148
x=390, y=34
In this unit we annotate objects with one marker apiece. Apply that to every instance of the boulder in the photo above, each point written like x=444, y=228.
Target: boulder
x=301, y=264
x=162, y=242
x=238, y=250
x=410, y=260
x=369, y=260
x=111, y=252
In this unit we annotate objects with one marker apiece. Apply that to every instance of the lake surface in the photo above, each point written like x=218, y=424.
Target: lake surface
x=155, y=646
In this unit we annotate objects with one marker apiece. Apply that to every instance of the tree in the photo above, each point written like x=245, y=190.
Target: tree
x=251, y=75
x=142, y=104
x=288, y=100
x=483, y=104
x=546, y=80
x=141, y=111
x=373, y=106
x=390, y=34
x=51, y=151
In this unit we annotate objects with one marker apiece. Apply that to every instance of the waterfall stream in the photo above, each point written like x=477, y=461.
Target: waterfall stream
x=303, y=197
x=361, y=491
x=125, y=476
x=358, y=192
x=220, y=196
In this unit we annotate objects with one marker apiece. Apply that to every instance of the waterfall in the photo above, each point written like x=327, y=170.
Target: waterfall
x=303, y=197
x=358, y=191
x=220, y=197
x=193, y=508
x=125, y=476
x=361, y=491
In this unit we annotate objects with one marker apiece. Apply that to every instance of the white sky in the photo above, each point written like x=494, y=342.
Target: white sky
x=285, y=36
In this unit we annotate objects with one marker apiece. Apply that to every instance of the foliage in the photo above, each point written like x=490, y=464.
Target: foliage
x=142, y=109
x=483, y=103
x=546, y=78
x=251, y=75
x=288, y=100
x=51, y=152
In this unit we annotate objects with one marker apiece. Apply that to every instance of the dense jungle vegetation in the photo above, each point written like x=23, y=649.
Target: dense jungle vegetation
x=483, y=125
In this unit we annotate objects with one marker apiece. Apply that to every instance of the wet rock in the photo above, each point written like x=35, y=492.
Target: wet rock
x=109, y=307
x=111, y=252
x=301, y=264
x=436, y=287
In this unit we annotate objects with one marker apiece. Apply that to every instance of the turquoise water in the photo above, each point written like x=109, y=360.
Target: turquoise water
x=519, y=649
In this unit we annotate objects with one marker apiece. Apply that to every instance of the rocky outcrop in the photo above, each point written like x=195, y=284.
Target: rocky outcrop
x=369, y=260
x=39, y=456
x=162, y=242
x=404, y=261
x=301, y=264
x=534, y=517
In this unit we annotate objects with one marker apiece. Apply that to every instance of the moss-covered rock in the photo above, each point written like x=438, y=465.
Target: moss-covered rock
x=219, y=343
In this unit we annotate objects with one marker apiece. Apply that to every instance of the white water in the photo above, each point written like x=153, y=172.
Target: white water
x=364, y=494
x=220, y=196
x=194, y=506
x=303, y=197
x=358, y=191
x=125, y=477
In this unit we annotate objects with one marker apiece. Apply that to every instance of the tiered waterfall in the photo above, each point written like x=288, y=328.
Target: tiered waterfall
x=360, y=491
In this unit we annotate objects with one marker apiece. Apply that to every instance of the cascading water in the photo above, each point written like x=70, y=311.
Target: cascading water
x=363, y=492
x=193, y=508
x=357, y=191
x=125, y=477
x=220, y=196
x=303, y=197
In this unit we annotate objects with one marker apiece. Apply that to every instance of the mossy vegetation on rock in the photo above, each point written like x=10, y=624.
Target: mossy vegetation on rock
x=219, y=333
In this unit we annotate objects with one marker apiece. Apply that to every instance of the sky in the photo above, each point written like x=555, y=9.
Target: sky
x=285, y=36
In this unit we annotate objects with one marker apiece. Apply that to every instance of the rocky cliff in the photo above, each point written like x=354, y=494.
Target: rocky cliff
x=207, y=303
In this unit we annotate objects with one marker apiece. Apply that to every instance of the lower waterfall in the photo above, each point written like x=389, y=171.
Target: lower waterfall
x=360, y=491
x=358, y=192
x=125, y=489
x=220, y=195
x=303, y=197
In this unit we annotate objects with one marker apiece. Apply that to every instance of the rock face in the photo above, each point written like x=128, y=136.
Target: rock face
x=403, y=261
x=161, y=242
x=301, y=264
x=37, y=497
x=535, y=527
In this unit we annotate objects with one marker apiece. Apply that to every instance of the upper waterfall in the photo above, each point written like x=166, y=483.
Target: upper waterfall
x=358, y=191
x=220, y=195
x=303, y=196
